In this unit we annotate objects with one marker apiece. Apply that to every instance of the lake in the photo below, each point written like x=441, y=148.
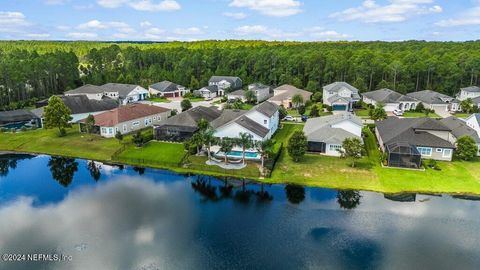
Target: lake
x=109, y=217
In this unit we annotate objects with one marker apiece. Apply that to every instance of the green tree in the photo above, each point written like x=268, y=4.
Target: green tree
x=209, y=139
x=89, y=123
x=137, y=139
x=312, y=86
x=301, y=109
x=265, y=148
x=186, y=105
x=194, y=84
x=197, y=140
x=297, y=100
x=226, y=145
x=467, y=105
x=297, y=145
x=352, y=148
x=467, y=149
x=282, y=112
x=317, y=97
x=377, y=113
x=250, y=96
x=203, y=124
x=119, y=136
x=57, y=115
x=314, y=111
x=245, y=141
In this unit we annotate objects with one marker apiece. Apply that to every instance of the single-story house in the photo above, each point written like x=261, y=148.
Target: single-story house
x=167, y=89
x=390, y=99
x=92, y=92
x=127, y=119
x=127, y=93
x=436, y=101
x=325, y=135
x=340, y=96
x=473, y=121
x=403, y=140
x=225, y=83
x=262, y=92
x=17, y=119
x=468, y=92
x=261, y=122
x=282, y=95
x=80, y=106
x=207, y=92
x=182, y=126
x=460, y=128
x=237, y=95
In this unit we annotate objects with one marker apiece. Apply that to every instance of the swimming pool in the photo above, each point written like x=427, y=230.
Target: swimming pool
x=240, y=154
x=18, y=125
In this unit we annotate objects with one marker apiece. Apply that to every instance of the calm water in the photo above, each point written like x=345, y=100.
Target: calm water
x=125, y=218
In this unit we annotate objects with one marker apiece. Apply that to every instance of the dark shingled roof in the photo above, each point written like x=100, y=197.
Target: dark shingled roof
x=16, y=116
x=386, y=96
x=191, y=117
x=86, y=89
x=235, y=81
x=459, y=128
x=165, y=86
x=408, y=130
x=252, y=126
x=122, y=89
x=267, y=108
x=227, y=116
x=82, y=104
x=431, y=97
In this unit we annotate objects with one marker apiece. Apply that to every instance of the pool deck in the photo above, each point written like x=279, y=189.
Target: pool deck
x=226, y=166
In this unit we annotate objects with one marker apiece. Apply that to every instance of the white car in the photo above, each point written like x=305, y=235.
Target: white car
x=289, y=118
x=398, y=112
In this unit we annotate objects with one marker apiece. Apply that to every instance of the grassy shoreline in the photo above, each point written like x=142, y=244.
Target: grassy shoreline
x=314, y=170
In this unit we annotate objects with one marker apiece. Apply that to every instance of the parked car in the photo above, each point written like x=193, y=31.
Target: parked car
x=398, y=112
x=304, y=118
x=289, y=118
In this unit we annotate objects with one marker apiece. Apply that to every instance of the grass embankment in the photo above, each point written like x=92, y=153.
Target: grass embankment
x=74, y=144
x=322, y=171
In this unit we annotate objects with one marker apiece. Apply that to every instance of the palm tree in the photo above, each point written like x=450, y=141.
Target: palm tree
x=208, y=139
x=297, y=100
x=245, y=141
x=226, y=146
x=197, y=140
x=265, y=148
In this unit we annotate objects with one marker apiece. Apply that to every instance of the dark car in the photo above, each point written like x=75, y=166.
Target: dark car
x=304, y=118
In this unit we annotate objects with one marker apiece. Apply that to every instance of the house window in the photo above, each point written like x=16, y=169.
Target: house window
x=265, y=122
x=136, y=123
x=335, y=147
x=104, y=130
x=124, y=128
x=154, y=118
x=116, y=130
x=439, y=150
x=447, y=153
x=425, y=151
x=110, y=130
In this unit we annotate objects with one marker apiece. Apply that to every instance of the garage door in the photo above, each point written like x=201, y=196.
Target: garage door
x=339, y=107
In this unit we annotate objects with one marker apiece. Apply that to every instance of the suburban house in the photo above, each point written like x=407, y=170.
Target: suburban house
x=325, y=135
x=460, y=128
x=473, y=121
x=207, y=92
x=436, y=101
x=167, y=89
x=476, y=101
x=182, y=126
x=260, y=122
x=282, y=95
x=127, y=119
x=340, y=96
x=17, y=119
x=80, y=106
x=407, y=140
x=92, y=92
x=236, y=95
x=225, y=83
x=468, y=92
x=127, y=93
x=262, y=92
x=390, y=99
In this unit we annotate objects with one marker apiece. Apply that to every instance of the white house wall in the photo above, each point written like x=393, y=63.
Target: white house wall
x=349, y=126
x=233, y=130
x=260, y=118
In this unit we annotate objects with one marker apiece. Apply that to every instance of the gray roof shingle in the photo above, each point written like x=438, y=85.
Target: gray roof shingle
x=473, y=89
x=86, y=89
x=165, y=86
x=267, y=108
x=252, y=126
x=459, y=128
x=431, y=97
x=320, y=129
x=191, y=117
x=122, y=89
x=16, y=116
x=386, y=96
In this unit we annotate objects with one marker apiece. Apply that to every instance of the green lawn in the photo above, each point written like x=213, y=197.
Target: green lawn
x=195, y=99
x=159, y=99
x=362, y=113
x=410, y=114
x=322, y=171
x=74, y=144
x=153, y=153
x=462, y=115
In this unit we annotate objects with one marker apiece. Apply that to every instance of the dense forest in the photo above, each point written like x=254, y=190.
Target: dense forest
x=33, y=69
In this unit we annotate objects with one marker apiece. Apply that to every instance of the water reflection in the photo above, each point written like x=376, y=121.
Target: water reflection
x=63, y=169
x=94, y=170
x=8, y=162
x=295, y=194
x=348, y=199
x=400, y=197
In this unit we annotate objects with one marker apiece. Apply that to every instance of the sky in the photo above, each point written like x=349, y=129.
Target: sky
x=190, y=20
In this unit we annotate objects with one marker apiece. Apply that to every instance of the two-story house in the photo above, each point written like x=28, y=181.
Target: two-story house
x=340, y=96
x=225, y=83
x=471, y=92
x=127, y=93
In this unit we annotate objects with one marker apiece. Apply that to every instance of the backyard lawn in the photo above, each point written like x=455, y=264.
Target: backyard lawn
x=74, y=144
x=362, y=113
x=462, y=115
x=159, y=99
x=153, y=153
x=411, y=114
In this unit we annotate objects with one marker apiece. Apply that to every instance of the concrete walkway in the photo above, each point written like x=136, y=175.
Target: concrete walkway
x=226, y=166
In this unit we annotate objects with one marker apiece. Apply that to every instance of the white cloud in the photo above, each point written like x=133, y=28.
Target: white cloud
x=97, y=25
x=329, y=35
x=142, y=5
x=38, y=36
x=56, y=2
x=188, y=31
x=275, y=8
x=471, y=17
x=12, y=22
x=394, y=11
x=264, y=31
x=235, y=15
x=82, y=35
x=145, y=24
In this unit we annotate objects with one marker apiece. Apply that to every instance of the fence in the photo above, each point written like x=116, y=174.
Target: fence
x=270, y=165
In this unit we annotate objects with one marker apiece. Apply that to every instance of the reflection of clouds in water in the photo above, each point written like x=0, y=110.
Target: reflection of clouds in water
x=106, y=169
x=124, y=224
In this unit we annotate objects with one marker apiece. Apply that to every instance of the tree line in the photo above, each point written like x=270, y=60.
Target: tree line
x=30, y=70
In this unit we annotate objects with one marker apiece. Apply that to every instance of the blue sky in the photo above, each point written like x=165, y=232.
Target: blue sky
x=303, y=20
